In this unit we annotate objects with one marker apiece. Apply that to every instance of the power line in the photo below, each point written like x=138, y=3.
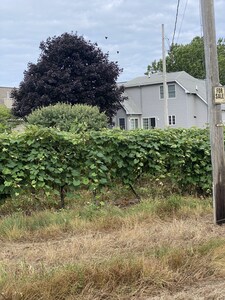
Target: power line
x=182, y=19
x=201, y=21
x=201, y=35
x=175, y=26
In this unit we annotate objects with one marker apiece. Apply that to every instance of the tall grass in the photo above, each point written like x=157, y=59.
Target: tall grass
x=89, y=251
x=50, y=223
x=127, y=275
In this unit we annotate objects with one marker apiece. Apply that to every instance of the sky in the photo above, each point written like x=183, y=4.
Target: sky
x=129, y=30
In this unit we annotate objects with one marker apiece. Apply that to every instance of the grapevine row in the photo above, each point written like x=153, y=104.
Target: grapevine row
x=46, y=159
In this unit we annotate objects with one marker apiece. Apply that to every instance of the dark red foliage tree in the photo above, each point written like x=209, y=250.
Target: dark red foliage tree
x=70, y=70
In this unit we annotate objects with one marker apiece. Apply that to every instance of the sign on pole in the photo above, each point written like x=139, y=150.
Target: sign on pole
x=215, y=97
x=219, y=95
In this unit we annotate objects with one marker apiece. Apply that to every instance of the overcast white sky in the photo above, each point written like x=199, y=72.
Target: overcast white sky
x=133, y=28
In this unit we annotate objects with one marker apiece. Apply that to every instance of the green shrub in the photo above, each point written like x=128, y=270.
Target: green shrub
x=70, y=118
x=5, y=116
x=7, y=120
x=43, y=159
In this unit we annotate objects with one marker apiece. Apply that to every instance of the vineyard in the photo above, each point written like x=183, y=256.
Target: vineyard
x=163, y=247
x=50, y=160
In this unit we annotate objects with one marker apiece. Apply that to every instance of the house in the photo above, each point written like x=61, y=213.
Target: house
x=144, y=107
x=5, y=96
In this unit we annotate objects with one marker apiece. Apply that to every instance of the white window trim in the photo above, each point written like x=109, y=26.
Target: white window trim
x=131, y=119
x=172, y=84
x=124, y=123
x=172, y=122
x=148, y=118
x=169, y=84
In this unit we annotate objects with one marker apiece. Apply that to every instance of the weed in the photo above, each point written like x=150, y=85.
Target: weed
x=168, y=206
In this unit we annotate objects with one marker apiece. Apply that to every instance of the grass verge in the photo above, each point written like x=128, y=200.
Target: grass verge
x=105, y=252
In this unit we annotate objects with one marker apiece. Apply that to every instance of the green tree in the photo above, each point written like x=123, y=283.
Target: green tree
x=221, y=59
x=65, y=117
x=190, y=58
x=69, y=70
x=5, y=116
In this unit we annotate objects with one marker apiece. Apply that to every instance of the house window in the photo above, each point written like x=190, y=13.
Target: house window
x=133, y=123
x=171, y=91
x=172, y=120
x=161, y=92
x=149, y=123
x=145, y=123
x=122, y=123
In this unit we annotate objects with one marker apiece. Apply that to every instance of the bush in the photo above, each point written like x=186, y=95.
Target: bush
x=8, y=122
x=43, y=159
x=70, y=118
x=5, y=116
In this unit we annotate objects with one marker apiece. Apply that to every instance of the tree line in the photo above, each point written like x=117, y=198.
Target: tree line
x=191, y=59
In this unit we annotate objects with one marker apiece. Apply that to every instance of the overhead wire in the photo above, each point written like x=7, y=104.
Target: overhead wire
x=201, y=35
x=201, y=24
x=182, y=20
x=175, y=25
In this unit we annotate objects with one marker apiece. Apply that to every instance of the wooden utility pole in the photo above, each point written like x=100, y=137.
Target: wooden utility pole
x=215, y=97
x=165, y=88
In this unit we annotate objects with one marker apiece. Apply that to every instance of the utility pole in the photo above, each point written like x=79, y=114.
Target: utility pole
x=165, y=88
x=215, y=97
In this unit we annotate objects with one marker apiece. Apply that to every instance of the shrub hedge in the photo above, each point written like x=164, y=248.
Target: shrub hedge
x=46, y=159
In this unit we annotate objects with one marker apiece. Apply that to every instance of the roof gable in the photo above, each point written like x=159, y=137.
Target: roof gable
x=130, y=107
x=190, y=84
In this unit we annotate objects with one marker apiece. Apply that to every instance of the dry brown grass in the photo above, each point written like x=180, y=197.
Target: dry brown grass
x=134, y=255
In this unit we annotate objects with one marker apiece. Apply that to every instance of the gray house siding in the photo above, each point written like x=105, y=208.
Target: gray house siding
x=151, y=103
x=135, y=93
x=177, y=107
x=121, y=114
x=186, y=104
x=198, y=112
x=133, y=122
